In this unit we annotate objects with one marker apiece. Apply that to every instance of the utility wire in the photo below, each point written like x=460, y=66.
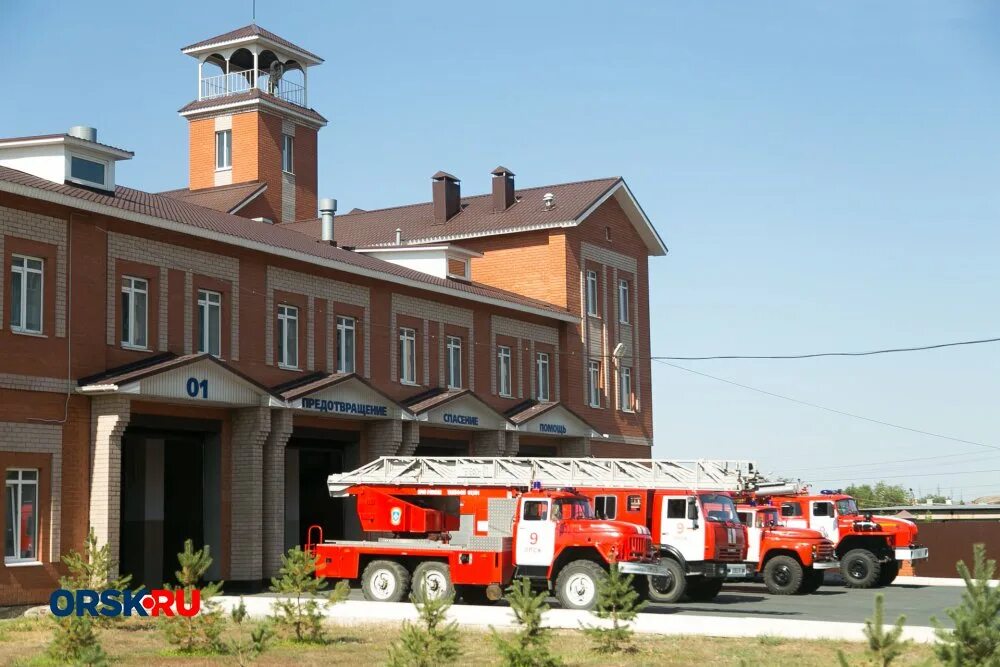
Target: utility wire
x=836, y=354
x=923, y=474
x=877, y=463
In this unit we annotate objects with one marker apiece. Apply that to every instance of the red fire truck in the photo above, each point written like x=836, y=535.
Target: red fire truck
x=471, y=525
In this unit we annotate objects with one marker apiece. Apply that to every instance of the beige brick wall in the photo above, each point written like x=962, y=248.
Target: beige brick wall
x=34, y=383
x=40, y=439
x=109, y=416
x=43, y=229
x=274, y=490
x=250, y=430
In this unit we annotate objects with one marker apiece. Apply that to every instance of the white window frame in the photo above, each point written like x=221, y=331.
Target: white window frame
x=23, y=271
x=288, y=154
x=454, y=367
x=20, y=483
x=542, y=376
x=226, y=161
x=594, y=383
x=407, y=355
x=592, y=293
x=83, y=181
x=623, y=301
x=206, y=303
x=288, y=315
x=131, y=287
x=625, y=390
x=346, y=326
x=504, y=372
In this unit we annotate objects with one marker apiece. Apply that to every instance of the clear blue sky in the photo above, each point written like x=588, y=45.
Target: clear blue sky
x=825, y=174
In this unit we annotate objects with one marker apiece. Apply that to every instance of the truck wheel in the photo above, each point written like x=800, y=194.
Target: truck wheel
x=433, y=580
x=889, y=573
x=705, y=590
x=668, y=589
x=577, y=584
x=475, y=595
x=812, y=582
x=860, y=569
x=385, y=581
x=783, y=575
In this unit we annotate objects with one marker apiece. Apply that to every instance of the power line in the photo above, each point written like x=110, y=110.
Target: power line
x=923, y=474
x=877, y=463
x=836, y=354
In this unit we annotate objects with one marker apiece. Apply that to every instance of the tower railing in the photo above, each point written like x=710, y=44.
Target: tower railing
x=221, y=85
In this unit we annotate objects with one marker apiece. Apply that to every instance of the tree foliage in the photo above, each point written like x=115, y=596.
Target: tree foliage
x=884, y=646
x=975, y=641
x=248, y=642
x=880, y=495
x=202, y=631
x=619, y=602
x=431, y=641
x=300, y=607
x=530, y=646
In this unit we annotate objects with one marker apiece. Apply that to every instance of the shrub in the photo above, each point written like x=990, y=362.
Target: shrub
x=618, y=601
x=430, y=641
x=975, y=641
x=301, y=610
x=200, y=632
x=530, y=646
x=249, y=642
x=883, y=647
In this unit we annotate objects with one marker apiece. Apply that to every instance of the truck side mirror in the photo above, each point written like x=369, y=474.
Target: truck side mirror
x=692, y=511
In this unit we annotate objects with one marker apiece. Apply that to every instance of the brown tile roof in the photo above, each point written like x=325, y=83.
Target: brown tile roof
x=186, y=217
x=531, y=409
x=248, y=96
x=477, y=218
x=431, y=399
x=220, y=198
x=157, y=364
x=252, y=30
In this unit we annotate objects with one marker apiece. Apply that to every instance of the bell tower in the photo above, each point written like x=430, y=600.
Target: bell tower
x=251, y=122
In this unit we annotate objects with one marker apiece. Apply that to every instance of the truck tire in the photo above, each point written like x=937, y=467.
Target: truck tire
x=860, y=569
x=434, y=580
x=704, y=590
x=385, y=581
x=812, y=582
x=889, y=573
x=783, y=575
x=577, y=584
x=662, y=590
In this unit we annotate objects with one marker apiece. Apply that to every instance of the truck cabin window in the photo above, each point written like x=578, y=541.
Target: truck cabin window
x=745, y=518
x=767, y=518
x=823, y=509
x=791, y=509
x=571, y=508
x=847, y=506
x=719, y=508
x=536, y=510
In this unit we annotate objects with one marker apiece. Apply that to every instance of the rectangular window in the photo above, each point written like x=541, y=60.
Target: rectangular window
x=408, y=356
x=542, y=379
x=454, y=362
x=592, y=293
x=287, y=153
x=625, y=389
x=623, y=311
x=677, y=508
x=288, y=336
x=26, y=294
x=594, y=383
x=21, y=525
x=224, y=149
x=210, y=322
x=606, y=507
x=87, y=171
x=535, y=510
x=135, y=295
x=345, y=344
x=503, y=370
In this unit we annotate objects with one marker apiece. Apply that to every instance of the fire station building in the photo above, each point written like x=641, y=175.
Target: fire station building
x=194, y=363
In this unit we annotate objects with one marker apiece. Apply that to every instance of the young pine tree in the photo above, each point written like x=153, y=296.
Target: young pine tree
x=530, y=646
x=201, y=632
x=431, y=641
x=883, y=646
x=301, y=608
x=618, y=601
x=249, y=642
x=75, y=642
x=975, y=641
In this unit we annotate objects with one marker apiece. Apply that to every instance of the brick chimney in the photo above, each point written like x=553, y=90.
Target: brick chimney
x=503, y=189
x=447, y=196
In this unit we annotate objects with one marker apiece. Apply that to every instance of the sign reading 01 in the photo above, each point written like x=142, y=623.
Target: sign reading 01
x=197, y=388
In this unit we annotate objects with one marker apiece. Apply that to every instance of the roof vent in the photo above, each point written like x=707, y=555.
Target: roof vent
x=83, y=132
x=327, y=207
x=447, y=196
x=503, y=189
x=549, y=201
x=399, y=236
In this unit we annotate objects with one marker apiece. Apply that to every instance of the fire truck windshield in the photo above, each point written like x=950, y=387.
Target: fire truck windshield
x=847, y=506
x=767, y=518
x=719, y=508
x=572, y=508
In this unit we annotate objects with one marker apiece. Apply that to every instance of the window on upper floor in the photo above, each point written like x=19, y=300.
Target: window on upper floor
x=21, y=520
x=623, y=301
x=454, y=362
x=542, y=376
x=592, y=293
x=224, y=149
x=210, y=322
x=626, y=399
x=288, y=153
x=594, y=383
x=27, y=294
x=288, y=336
x=135, y=316
x=407, y=356
x=345, y=344
x=503, y=371
x=87, y=171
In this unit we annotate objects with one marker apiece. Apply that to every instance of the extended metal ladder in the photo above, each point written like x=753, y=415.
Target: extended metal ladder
x=696, y=474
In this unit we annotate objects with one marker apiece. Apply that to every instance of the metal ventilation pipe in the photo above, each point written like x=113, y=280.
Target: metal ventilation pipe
x=399, y=236
x=83, y=132
x=327, y=207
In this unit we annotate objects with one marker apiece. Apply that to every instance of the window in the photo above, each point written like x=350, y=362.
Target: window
x=288, y=336
x=719, y=508
x=592, y=293
x=606, y=507
x=88, y=172
x=594, y=383
x=503, y=370
x=26, y=294
x=542, y=371
x=677, y=508
x=634, y=503
x=210, y=322
x=224, y=149
x=407, y=356
x=21, y=525
x=625, y=389
x=454, y=362
x=822, y=509
x=536, y=510
x=847, y=507
x=623, y=302
x=345, y=344
x=791, y=509
x=745, y=518
x=287, y=153
x=135, y=294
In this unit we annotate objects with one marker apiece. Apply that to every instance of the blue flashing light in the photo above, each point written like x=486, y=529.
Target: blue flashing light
x=536, y=485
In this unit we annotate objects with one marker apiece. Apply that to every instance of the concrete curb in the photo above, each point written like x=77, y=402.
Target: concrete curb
x=936, y=581
x=355, y=612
